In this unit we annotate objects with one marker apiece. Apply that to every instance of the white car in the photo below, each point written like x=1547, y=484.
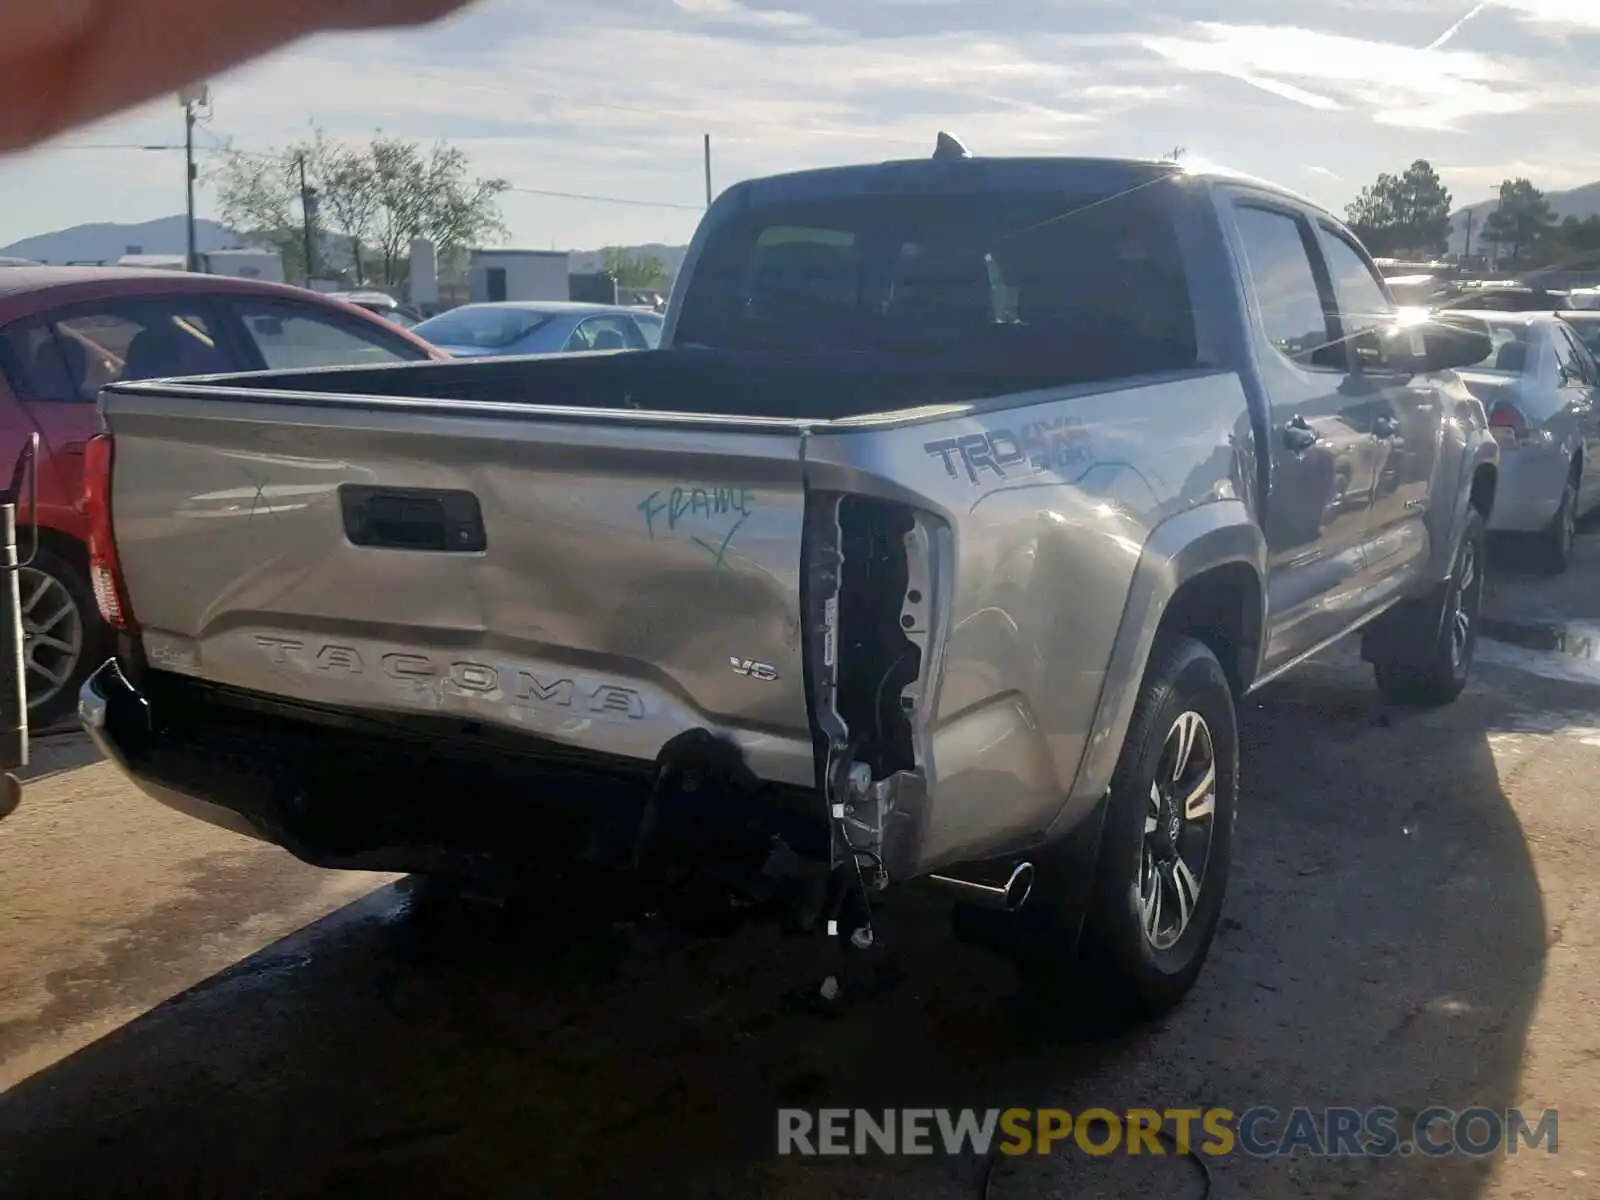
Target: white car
x=1540, y=387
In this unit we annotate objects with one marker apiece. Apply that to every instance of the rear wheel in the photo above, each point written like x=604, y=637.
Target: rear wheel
x=1554, y=542
x=1166, y=846
x=60, y=634
x=1426, y=649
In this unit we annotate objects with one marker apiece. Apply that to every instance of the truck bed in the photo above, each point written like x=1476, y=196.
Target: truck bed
x=694, y=382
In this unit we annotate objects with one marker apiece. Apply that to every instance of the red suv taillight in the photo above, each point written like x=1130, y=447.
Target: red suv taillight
x=105, y=572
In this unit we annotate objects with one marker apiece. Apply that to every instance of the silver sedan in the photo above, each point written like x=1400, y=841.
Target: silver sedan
x=539, y=327
x=1539, y=386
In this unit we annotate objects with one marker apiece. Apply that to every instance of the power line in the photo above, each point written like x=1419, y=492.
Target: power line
x=607, y=199
x=109, y=146
x=227, y=150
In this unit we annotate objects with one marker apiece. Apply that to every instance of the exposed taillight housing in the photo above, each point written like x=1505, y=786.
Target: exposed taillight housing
x=1508, y=423
x=105, y=571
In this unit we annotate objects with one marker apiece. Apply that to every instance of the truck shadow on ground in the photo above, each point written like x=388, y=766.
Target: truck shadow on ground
x=1383, y=945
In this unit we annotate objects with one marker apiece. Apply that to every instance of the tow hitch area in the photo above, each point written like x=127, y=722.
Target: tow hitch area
x=710, y=828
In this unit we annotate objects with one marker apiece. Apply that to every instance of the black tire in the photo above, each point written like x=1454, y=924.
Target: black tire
x=48, y=704
x=1554, y=544
x=1121, y=968
x=1426, y=649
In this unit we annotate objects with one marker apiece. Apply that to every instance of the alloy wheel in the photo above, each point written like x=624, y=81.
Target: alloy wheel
x=1464, y=613
x=1177, y=831
x=52, y=635
x=1569, y=518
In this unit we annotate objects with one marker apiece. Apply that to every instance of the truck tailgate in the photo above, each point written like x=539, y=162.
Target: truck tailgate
x=603, y=582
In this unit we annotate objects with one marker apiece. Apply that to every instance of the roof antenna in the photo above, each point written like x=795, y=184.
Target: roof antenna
x=948, y=147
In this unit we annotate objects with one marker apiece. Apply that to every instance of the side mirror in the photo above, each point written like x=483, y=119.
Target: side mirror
x=1449, y=344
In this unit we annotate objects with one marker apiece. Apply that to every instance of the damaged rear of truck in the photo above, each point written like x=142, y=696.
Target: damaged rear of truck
x=857, y=581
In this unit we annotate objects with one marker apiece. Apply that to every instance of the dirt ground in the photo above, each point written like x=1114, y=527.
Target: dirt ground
x=1411, y=923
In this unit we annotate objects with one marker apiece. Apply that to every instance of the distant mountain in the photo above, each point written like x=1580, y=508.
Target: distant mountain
x=1577, y=202
x=108, y=242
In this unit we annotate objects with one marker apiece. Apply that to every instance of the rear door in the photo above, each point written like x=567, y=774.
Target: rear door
x=1589, y=420
x=1576, y=417
x=61, y=359
x=1320, y=442
x=1406, y=410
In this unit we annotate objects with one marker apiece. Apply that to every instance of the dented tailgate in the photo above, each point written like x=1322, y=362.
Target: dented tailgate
x=605, y=583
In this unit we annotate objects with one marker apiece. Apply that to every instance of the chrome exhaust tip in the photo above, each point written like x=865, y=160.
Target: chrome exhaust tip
x=1002, y=897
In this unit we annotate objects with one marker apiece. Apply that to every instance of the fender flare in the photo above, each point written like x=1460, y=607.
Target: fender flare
x=1483, y=451
x=1180, y=549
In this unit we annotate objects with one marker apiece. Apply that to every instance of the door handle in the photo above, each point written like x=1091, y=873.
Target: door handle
x=1385, y=426
x=1298, y=435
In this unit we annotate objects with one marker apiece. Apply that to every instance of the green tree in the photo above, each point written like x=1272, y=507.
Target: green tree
x=372, y=201
x=643, y=272
x=1407, y=213
x=1520, y=223
x=1573, y=245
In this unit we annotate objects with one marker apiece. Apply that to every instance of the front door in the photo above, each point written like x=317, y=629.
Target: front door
x=1321, y=445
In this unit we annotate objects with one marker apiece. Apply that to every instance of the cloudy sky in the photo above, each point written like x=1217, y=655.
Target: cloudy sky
x=611, y=98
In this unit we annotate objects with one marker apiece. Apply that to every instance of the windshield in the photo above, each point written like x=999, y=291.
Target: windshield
x=1044, y=274
x=482, y=328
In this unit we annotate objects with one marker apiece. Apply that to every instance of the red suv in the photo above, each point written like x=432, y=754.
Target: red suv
x=65, y=332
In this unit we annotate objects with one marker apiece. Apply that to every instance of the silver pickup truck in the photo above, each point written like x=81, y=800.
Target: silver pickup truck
x=961, y=504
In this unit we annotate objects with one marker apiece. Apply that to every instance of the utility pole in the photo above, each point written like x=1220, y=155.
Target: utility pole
x=188, y=175
x=192, y=98
x=1468, y=253
x=308, y=207
x=708, y=170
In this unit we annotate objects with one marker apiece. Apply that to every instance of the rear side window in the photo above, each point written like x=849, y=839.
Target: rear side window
x=605, y=333
x=649, y=328
x=291, y=337
x=1588, y=332
x=69, y=356
x=1278, y=265
x=1508, y=340
x=1088, y=286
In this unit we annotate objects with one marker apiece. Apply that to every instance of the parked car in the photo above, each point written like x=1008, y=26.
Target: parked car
x=384, y=305
x=1506, y=299
x=1585, y=323
x=1540, y=386
x=66, y=332
x=960, y=511
x=540, y=327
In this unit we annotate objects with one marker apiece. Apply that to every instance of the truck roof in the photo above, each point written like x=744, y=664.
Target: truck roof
x=1085, y=173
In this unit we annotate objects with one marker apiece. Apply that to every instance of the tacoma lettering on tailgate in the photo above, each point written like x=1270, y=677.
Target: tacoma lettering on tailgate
x=521, y=685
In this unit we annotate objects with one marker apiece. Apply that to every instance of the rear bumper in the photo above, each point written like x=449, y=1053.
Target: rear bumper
x=363, y=791
x=116, y=717
x=1532, y=478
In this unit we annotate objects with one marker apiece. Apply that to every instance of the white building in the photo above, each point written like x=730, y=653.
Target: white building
x=235, y=264
x=494, y=275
